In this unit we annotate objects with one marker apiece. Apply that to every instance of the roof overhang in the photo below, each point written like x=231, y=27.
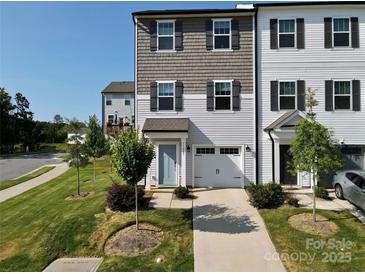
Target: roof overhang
x=166, y=125
x=287, y=121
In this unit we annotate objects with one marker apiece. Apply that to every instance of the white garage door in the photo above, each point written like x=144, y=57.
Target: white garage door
x=217, y=167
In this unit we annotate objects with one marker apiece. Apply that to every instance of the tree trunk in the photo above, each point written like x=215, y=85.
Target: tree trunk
x=136, y=197
x=314, y=196
x=78, y=180
x=94, y=176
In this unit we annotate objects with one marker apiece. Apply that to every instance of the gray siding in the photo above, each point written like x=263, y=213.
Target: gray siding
x=195, y=65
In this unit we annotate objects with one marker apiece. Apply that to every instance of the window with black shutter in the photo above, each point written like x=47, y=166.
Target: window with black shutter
x=165, y=35
x=287, y=33
x=341, y=32
x=287, y=95
x=165, y=93
x=221, y=34
x=342, y=95
x=222, y=95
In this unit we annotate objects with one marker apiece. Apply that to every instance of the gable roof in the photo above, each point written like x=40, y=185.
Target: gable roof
x=120, y=87
x=166, y=125
x=286, y=117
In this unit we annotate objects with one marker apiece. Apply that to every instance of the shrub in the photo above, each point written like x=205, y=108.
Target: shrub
x=292, y=201
x=266, y=195
x=181, y=192
x=321, y=192
x=121, y=197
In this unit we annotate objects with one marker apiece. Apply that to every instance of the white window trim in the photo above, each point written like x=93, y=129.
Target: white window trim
x=173, y=36
x=109, y=97
x=333, y=32
x=230, y=33
x=173, y=95
x=334, y=95
x=296, y=94
x=231, y=95
x=295, y=33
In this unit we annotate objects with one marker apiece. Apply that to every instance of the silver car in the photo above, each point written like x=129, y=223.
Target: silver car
x=350, y=185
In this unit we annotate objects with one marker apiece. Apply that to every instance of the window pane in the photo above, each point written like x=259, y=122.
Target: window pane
x=221, y=27
x=108, y=102
x=165, y=89
x=286, y=26
x=286, y=40
x=165, y=43
x=342, y=87
x=221, y=42
x=342, y=102
x=287, y=88
x=222, y=103
x=223, y=88
x=165, y=103
x=287, y=102
x=166, y=28
x=341, y=24
x=127, y=102
x=341, y=40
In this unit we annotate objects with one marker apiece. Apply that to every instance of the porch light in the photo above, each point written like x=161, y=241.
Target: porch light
x=248, y=149
x=187, y=148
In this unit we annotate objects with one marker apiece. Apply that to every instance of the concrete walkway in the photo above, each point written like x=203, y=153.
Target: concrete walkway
x=74, y=265
x=229, y=234
x=23, y=187
x=166, y=199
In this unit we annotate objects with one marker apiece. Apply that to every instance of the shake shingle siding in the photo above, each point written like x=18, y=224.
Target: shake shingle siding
x=195, y=65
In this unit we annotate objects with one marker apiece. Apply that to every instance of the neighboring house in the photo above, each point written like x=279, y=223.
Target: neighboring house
x=312, y=45
x=195, y=95
x=81, y=132
x=117, y=106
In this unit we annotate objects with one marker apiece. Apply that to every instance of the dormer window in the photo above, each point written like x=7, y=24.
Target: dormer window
x=166, y=35
x=221, y=34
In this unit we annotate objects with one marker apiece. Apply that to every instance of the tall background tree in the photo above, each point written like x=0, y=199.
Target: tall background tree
x=131, y=158
x=314, y=149
x=95, y=141
x=7, y=121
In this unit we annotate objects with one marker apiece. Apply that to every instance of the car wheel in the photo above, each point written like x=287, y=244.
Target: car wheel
x=339, y=191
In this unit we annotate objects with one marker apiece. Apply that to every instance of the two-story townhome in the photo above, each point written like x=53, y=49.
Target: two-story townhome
x=309, y=45
x=194, y=86
x=117, y=106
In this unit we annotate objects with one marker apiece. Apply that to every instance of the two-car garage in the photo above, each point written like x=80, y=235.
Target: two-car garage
x=218, y=166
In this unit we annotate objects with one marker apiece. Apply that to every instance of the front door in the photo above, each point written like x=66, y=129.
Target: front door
x=286, y=178
x=167, y=165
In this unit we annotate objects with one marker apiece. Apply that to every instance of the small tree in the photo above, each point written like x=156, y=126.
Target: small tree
x=95, y=141
x=131, y=158
x=77, y=156
x=313, y=149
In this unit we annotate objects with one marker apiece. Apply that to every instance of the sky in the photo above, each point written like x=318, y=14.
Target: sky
x=61, y=55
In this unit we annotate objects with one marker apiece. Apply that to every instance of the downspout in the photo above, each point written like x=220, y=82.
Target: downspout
x=256, y=104
x=272, y=155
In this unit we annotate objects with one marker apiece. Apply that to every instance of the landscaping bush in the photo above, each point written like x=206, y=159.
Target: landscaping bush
x=266, y=195
x=292, y=201
x=121, y=197
x=321, y=192
x=181, y=192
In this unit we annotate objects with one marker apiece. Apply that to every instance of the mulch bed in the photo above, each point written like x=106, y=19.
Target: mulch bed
x=82, y=195
x=322, y=227
x=132, y=242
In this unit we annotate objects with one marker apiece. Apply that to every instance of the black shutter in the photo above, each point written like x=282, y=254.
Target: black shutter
x=236, y=95
x=301, y=95
x=329, y=95
x=179, y=90
x=178, y=36
x=273, y=33
x=328, y=32
x=300, y=33
x=209, y=33
x=355, y=32
x=153, y=36
x=356, y=95
x=235, y=35
x=210, y=96
x=153, y=96
x=274, y=95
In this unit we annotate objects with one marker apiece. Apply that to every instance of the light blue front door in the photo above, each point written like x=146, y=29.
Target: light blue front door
x=167, y=165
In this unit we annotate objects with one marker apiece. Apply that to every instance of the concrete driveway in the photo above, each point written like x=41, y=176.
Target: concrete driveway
x=15, y=166
x=229, y=234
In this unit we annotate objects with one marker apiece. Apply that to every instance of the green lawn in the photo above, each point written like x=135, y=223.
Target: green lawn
x=9, y=183
x=290, y=242
x=40, y=226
